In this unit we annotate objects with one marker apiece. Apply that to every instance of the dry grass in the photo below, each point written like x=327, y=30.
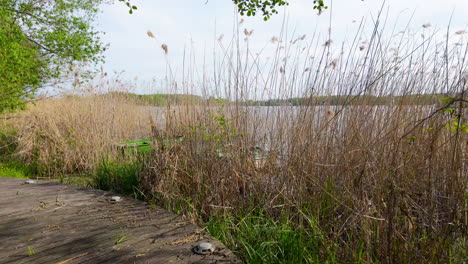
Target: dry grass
x=373, y=182
x=73, y=134
x=368, y=180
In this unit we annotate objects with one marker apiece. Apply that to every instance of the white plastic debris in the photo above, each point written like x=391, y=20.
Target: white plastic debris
x=30, y=182
x=204, y=248
x=116, y=199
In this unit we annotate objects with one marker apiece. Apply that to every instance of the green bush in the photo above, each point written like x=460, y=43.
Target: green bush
x=6, y=171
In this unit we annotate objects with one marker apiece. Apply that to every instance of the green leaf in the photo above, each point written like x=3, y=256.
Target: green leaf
x=59, y=35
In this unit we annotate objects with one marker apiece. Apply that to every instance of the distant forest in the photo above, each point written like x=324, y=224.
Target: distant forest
x=415, y=99
x=181, y=99
x=158, y=99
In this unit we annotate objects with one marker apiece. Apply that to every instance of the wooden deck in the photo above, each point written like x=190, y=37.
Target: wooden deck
x=55, y=223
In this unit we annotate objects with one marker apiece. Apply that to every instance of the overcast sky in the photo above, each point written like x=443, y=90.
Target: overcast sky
x=198, y=23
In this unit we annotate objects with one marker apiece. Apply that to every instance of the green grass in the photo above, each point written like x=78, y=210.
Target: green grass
x=120, y=238
x=31, y=251
x=9, y=167
x=83, y=179
x=11, y=172
x=122, y=177
x=459, y=251
x=257, y=238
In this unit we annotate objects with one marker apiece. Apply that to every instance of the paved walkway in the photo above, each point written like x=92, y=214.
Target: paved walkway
x=54, y=223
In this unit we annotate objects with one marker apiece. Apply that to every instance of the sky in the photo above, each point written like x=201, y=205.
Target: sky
x=195, y=25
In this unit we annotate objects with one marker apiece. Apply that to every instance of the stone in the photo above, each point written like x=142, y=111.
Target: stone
x=204, y=248
x=116, y=199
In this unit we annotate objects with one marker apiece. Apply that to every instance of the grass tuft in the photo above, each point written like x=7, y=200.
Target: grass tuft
x=122, y=177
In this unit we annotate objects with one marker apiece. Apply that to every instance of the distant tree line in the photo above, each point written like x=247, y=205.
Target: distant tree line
x=416, y=99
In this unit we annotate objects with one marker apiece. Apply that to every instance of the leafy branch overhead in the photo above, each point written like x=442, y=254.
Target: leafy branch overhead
x=129, y=5
x=269, y=7
x=42, y=40
x=252, y=7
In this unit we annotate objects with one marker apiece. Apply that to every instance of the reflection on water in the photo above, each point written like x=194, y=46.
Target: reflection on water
x=276, y=127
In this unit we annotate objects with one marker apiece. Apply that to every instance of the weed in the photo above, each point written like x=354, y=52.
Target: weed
x=122, y=177
x=120, y=238
x=31, y=251
x=6, y=171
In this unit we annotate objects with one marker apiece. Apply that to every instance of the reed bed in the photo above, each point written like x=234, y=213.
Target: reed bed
x=371, y=189
x=379, y=177
x=73, y=134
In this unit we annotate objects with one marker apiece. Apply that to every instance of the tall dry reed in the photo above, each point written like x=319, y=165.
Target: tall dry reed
x=73, y=134
x=381, y=176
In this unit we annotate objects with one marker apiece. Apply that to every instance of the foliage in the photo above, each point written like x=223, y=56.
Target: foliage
x=455, y=113
x=20, y=66
x=223, y=126
x=7, y=141
x=129, y=5
x=9, y=167
x=218, y=132
x=41, y=41
x=268, y=8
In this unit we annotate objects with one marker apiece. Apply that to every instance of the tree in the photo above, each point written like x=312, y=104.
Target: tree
x=20, y=66
x=268, y=7
x=41, y=40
